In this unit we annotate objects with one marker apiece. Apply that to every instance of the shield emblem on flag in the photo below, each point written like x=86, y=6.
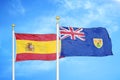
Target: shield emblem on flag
x=29, y=47
x=98, y=42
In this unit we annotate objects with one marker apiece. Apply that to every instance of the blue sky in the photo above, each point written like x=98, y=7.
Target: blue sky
x=38, y=16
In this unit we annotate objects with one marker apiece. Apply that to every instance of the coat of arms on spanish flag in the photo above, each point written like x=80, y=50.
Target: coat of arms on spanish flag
x=35, y=46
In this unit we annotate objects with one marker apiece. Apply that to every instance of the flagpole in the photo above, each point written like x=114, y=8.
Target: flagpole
x=13, y=54
x=57, y=45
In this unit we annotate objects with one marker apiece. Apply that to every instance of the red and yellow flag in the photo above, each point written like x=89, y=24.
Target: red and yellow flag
x=35, y=46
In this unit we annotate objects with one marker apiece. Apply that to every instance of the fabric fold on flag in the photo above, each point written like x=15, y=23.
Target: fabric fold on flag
x=85, y=42
x=35, y=46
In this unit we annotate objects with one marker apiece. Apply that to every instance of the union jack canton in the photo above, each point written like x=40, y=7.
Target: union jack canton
x=72, y=33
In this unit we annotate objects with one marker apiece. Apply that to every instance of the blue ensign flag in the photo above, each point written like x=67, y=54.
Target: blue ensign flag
x=85, y=42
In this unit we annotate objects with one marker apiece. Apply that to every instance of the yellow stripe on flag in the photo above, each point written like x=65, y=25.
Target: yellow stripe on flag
x=37, y=47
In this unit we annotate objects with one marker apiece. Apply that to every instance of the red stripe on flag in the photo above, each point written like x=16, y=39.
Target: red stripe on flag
x=35, y=37
x=33, y=56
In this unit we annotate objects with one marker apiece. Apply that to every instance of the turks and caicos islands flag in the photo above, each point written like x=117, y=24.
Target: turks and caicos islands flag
x=35, y=46
x=85, y=42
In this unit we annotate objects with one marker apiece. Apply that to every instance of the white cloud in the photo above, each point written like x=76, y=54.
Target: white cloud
x=33, y=67
x=84, y=13
x=79, y=14
x=40, y=25
x=88, y=5
x=72, y=4
x=117, y=0
x=27, y=68
x=113, y=29
x=45, y=24
x=16, y=7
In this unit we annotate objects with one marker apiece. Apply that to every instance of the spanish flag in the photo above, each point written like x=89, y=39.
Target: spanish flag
x=35, y=46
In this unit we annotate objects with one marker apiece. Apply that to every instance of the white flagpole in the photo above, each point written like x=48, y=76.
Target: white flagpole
x=13, y=54
x=57, y=45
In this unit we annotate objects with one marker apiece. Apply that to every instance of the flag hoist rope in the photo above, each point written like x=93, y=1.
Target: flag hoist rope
x=13, y=54
x=57, y=50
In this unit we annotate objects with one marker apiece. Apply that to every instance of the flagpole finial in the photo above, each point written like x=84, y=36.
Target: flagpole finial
x=13, y=25
x=57, y=17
